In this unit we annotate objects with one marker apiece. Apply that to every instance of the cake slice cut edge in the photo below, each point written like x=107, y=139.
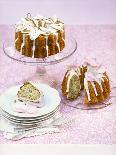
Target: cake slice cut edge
x=29, y=93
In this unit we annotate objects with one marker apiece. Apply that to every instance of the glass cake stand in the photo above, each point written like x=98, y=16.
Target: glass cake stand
x=79, y=103
x=41, y=64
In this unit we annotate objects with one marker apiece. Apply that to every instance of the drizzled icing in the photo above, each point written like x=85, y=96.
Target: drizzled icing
x=93, y=74
x=30, y=26
x=22, y=45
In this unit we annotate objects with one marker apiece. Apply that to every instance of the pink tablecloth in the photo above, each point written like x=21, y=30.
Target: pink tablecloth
x=89, y=127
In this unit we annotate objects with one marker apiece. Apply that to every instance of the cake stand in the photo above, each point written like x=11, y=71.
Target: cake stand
x=41, y=64
x=79, y=103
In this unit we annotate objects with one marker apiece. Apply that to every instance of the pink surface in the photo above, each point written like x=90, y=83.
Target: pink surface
x=88, y=127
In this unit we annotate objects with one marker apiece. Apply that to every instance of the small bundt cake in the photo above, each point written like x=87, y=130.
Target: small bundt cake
x=39, y=37
x=93, y=80
x=29, y=93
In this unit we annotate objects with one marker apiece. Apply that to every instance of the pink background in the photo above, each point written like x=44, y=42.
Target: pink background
x=71, y=11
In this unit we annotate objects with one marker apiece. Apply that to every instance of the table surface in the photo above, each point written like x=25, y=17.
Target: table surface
x=87, y=127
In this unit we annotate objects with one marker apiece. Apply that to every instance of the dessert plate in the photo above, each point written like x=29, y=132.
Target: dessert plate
x=51, y=101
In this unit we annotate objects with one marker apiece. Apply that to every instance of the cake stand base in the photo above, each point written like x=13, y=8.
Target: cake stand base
x=42, y=76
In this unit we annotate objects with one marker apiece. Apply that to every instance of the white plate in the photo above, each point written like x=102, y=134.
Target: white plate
x=51, y=99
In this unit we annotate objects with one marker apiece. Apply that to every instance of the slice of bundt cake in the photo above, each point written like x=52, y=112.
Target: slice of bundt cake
x=71, y=84
x=29, y=92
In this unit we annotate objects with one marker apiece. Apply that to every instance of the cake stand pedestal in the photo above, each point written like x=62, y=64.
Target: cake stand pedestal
x=42, y=76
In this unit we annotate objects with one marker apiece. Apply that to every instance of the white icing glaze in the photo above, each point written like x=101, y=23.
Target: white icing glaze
x=94, y=74
x=47, y=45
x=57, y=43
x=87, y=89
x=16, y=40
x=33, y=48
x=43, y=22
x=55, y=18
x=34, y=31
x=29, y=26
x=94, y=87
x=23, y=43
x=24, y=24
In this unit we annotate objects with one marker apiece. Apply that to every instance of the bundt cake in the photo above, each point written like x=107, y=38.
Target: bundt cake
x=94, y=81
x=29, y=93
x=39, y=37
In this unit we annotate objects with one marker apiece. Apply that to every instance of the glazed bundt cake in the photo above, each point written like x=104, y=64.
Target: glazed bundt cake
x=29, y=93
x=39, y=37
x=93, y=80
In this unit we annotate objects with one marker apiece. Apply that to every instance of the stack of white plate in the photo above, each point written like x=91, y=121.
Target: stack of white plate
x=41, y=117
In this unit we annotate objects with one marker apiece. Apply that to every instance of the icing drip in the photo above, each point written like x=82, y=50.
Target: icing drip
x=87, y=89
x=23, y=43
x=16, y=40
x=47, y=45
x=57, y=43
x=33, y=48
x=94, y=75
x=94, y=88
